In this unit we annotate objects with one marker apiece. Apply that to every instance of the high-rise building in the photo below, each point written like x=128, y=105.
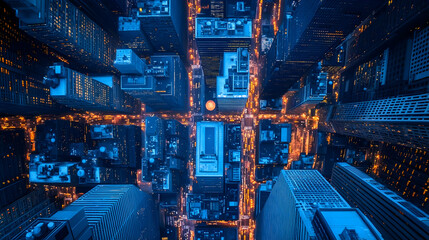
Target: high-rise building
x=70, y=223
x=12, y=166
x=79, y=91
x=128, y=63
x=24, y=211
x=309, y=30
x=65, y=28
x=119, y=212
x=232, y=83
x=22, y=67
x=133, y=37
x=164, y=22
x=213, y=8
x=215, y=36
x=391, y=214
x=209, y=169
x=273, y=148
x=383, y=88
x=161, y=85
x=312, y=92
x=303, y=205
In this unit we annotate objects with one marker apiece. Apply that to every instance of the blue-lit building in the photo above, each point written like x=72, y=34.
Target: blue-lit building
x=118, y=212
x=120, y=144
x=394, y=217
x=209, y=167
x=128, y=63
x=161, y=85
x=69, y=154
x=24, y=211
x=165, y=24
x=70, y=223
x=272, y=151
x=154, y=146
x=81, y=92
x=273, y=148
x=377, y=78
x=309, y=30
x=313, y=91
x=214, y=36
x=303, y=205
x=166, y=153
x=233, y=82
x=22, y=67
x=58, y=23
x=133, y=37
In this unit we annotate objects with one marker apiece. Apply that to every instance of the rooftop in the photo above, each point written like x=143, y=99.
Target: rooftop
x=209, y=162
x=153, y=8
x=311, y=190
x=223, y=28
x=234, y=79
x=349, y=218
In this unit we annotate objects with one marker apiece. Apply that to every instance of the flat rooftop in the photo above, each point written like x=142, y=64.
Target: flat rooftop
x=350, y=218
x=311, y=190
x=209, y=159
x=153, y=8
x=234, y=81
x=207, y=27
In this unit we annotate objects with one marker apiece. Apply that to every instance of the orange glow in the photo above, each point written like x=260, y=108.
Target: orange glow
x=210, y=105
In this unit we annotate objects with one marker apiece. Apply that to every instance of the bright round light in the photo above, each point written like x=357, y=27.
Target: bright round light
x=210, y=105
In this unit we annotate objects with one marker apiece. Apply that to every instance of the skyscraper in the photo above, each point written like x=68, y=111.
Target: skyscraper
x=382, y=93
x=289, y=212
x=119, y=212
x=22, y=67
x=12, y=166
x=161, y=85
x=82, y=92
x=133, y=36
x=66, y=155
x=215, y=36
x=391, y=214
x=70, y=223
x=164, y=22
x=233, y=81
x=209, y=168
x=62, y=26
x=273, y=148
x=310, y=29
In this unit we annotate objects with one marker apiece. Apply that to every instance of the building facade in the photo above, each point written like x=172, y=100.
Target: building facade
x=392, y=215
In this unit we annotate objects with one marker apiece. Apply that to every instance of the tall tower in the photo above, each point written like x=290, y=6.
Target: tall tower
x=67, y=29
x=289, y=212
x=310, y=29
x=164, y=22
x=119, y=212
x=391, y=214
